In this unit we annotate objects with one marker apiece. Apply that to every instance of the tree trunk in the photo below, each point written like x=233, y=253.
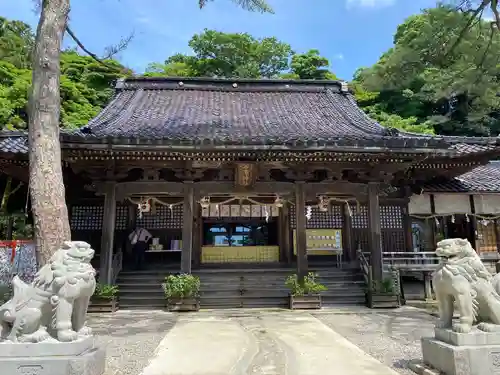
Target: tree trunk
x=48, y=203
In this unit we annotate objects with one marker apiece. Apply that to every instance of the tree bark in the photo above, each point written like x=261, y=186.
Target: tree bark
x=48, y=202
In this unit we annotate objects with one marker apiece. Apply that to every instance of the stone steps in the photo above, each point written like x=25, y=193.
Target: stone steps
x=235, y=288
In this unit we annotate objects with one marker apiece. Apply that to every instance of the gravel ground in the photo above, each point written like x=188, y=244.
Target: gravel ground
x=391, y=336
x=131, y=338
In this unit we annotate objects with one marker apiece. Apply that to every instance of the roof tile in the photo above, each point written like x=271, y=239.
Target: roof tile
x=482, y=179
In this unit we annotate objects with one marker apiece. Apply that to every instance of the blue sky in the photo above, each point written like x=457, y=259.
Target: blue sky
x=350, y=33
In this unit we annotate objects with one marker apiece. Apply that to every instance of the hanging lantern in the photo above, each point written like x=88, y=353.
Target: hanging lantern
x=323, y=204
x=205, y=202
x=143, y=206
x=278, y=202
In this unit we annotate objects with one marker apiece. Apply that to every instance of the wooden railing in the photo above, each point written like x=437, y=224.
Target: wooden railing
x=116, y=265
x=411, y=261
x=365, y=268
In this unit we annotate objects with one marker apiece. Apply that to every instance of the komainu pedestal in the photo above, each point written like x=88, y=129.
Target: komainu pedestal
x=80, y=357
x=43, y=327
x=452, y=353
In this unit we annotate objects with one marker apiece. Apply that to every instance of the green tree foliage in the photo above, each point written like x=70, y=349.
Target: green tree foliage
x=429, y=77
x=310, y=65
x=16, y=43
x=225, y=55
x=86, y=85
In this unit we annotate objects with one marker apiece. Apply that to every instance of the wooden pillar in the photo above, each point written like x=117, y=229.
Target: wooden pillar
x=408, y=233
x=284, y=234
x=197, y=234
x=375, y=231
x=108, y=232
x=347, y=245
x=187, y=229
x=435, y=228
x=473, y=222
x=497, y=234
x=287, y=234
x=428, y=286
x=300, y=220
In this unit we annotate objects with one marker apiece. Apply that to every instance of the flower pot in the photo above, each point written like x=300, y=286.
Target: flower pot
x=103, y=305
x=305, y=302
x=382, y=300
x=183, y=304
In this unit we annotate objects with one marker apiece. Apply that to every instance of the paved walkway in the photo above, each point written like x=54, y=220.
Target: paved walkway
x=258, y=342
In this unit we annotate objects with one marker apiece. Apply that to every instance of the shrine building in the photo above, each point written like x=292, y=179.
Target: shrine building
x=251, y=173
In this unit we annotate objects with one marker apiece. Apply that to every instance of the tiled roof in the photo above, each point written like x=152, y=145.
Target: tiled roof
x=485, y=179
x=244, y=112
x=13, y=142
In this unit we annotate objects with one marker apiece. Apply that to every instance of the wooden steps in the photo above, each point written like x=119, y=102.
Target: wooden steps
x=241, y=288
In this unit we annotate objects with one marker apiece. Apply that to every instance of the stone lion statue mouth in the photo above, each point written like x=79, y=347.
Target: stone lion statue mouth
x=449, y=251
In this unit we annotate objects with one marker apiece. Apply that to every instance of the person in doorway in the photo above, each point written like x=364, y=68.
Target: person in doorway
x=139, y=240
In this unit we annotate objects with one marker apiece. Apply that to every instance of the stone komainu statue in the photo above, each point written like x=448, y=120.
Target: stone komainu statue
x=55, y=304
x=462, y=279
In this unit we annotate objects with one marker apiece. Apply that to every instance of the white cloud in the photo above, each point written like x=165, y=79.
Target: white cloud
x=339, y=56
x=369, y=3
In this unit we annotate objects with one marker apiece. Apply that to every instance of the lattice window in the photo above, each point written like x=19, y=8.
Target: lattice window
x=359, y=217
x=360, y=238
x=486, y=237
x=91, y=217
x=393, y=240
x=391, y=217
x=162, y=218
x=87, y=217
x=121, y=217
x=331, y=219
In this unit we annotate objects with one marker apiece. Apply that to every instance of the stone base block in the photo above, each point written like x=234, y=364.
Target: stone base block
x=81, y=357
x=461, y=360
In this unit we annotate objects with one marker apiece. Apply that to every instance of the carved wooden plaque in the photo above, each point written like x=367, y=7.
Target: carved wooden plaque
x=245, y=174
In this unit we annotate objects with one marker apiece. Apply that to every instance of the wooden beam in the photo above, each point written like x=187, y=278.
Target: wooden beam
x=124, y=189
x=108, y=233
x=300, y=220
x=187, y=229
x=375, y=231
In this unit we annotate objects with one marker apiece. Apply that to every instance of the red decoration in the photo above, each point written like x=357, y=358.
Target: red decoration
x=13, y=246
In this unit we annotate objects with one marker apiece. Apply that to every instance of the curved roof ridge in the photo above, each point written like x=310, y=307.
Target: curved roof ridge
x=226, y=83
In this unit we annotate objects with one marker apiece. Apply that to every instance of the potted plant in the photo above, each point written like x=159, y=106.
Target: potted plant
x=182, y=292
x=105, y=299
x=304, y=294
x=383, y=294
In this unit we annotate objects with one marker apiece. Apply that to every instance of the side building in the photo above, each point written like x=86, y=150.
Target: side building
x=262, y=173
